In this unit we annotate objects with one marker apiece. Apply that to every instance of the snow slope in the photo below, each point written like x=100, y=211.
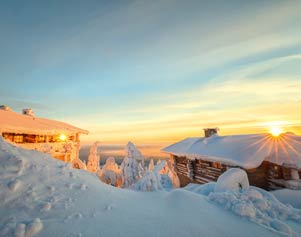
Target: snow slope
x=288, y=196
x=41, y=196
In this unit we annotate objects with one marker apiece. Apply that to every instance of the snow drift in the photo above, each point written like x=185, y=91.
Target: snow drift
x=233, y=193
x=41, y=196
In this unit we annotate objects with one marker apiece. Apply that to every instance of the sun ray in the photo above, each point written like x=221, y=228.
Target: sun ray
x=258, y=141
x=292, y=148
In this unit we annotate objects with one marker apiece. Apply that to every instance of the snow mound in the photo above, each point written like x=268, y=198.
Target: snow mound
x=259, y=206
x=233, y=193
x=234, y=179
x=204, y=189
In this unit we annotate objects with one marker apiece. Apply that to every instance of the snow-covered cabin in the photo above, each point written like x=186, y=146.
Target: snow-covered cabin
x=59, y=139
x=270, y=162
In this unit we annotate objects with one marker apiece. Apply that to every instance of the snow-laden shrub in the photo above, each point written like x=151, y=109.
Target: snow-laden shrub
x=110, y=173
x=151, y=181
x=234, y=179
x=93, y=159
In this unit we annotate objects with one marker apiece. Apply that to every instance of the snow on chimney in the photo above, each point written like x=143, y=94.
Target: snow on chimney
x=28, y=112
x=210, y=131
x=5, y=108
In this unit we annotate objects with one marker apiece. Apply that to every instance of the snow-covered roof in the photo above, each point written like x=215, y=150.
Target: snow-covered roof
x=247, y=151
x=13, y=122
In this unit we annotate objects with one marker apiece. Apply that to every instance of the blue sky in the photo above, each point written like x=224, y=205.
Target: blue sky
x=153, y=70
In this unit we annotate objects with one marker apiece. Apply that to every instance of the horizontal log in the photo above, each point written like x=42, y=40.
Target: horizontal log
x=208, y=171
x=203, y=180
x=214, y=169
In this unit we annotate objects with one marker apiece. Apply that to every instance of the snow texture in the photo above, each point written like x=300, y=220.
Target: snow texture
x=11, y=121
x=254, y=204
x=247, y=151
x=53, y=199
x=288, y=196
x=234, y=179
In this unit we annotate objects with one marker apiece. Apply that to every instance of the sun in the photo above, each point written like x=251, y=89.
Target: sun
x=276, y=131
x=63, y=137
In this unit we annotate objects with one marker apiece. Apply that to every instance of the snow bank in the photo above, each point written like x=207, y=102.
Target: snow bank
x=234, y=179
x=259, y=206
x=233, y=193
x=52, y=199
x=288, y=196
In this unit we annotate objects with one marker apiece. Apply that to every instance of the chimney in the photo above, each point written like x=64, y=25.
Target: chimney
x=28, y=112
x=5, y=108
x=210, y=131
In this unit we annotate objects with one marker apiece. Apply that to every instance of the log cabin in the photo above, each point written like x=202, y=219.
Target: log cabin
x=58, y=139
x=271, y=162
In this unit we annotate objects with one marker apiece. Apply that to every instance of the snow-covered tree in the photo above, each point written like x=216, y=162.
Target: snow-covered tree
x=93, y=159
x=169, y=171
x=110, y=173
x=132, y=165
x=79, y=164
x=173, y=174
x=151, y=165
x=151, y=181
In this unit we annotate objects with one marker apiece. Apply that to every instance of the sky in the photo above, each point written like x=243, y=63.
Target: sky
x=154, y=71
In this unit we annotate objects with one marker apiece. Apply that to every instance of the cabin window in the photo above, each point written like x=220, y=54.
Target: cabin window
x=51, y=139
x=18, y=138
x=41, y=139
x=30, y=138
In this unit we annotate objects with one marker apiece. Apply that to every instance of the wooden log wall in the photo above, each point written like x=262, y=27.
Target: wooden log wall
x=183, y=166
x=205, y=171
x=200, y=171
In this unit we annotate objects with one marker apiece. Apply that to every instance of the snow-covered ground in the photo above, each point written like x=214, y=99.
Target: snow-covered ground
x=288, y=196
x=41, y=196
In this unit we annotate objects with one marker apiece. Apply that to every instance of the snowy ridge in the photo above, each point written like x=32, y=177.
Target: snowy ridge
x=41, y=196
x=247, y=151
